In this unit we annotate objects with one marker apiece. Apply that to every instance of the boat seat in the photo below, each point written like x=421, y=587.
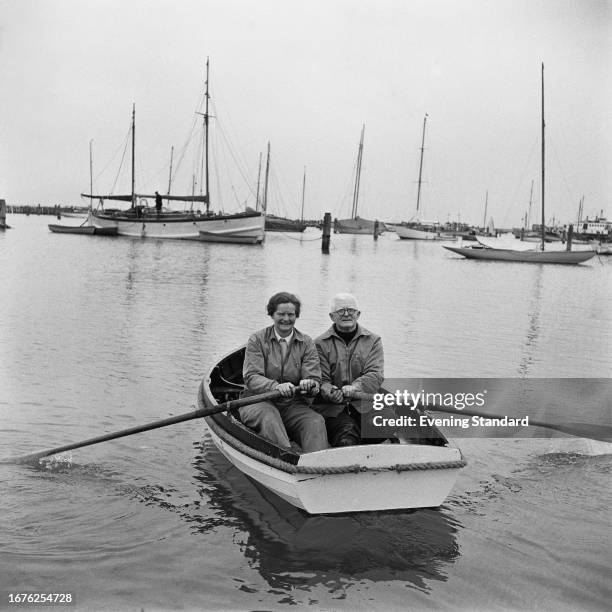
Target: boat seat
x=226, y=389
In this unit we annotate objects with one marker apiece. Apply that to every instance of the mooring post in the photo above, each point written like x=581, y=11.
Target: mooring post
x=376, y=229
x=326, y=233
x=570, y=234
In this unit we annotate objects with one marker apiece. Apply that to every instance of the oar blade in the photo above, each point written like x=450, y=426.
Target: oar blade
x=31, y=458
x=196, y=414
x=580, y=430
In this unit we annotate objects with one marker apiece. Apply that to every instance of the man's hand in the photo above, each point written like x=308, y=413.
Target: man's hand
x=309, y=386
x=286, y=389
x=349, y=392
x=333, y=395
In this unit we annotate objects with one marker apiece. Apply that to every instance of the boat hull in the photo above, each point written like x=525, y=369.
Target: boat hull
x=602, y=248
x=67, y=229
x=75, y=215
x=83, y=229
x=414, y=233
x=245, y=228
x=556, y=257
x=280, y=224
x=538, y=239
x=337, y=480
x=356, y=491
x=105, y=231
x=357, y=226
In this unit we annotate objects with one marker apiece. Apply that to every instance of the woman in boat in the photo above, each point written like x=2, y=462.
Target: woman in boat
x=282, y=358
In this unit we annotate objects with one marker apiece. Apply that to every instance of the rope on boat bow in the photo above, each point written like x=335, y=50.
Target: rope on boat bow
x=400, y=467
x=347, y=469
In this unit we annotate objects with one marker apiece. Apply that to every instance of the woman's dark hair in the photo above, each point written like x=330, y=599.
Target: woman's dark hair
x=283, y=298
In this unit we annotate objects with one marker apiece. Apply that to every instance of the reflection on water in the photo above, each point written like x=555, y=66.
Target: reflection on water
x=533, y=325
x=288, y=547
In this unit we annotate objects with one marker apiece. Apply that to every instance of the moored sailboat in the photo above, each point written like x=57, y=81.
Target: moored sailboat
x=275, y=223
x=539, y=255
x=147, y=222
x=357, y=224
x=87, y=227
x=416, y=229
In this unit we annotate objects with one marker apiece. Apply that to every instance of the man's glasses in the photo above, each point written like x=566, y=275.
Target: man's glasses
x=349, y=311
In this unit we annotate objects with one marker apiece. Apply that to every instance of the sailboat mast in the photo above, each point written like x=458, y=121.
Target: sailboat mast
x=357, y=176
x=530, y=201
x=421, y=164
x=303, y=193
x=202, y=161
x=170, y=175
x=133, y=154
x=90, y=175
x=264, y=206
x=206, y=138
x=258, y=182
x=484, y=221
x=543, y=159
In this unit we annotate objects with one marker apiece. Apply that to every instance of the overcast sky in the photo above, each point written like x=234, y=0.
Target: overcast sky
x=306, y=76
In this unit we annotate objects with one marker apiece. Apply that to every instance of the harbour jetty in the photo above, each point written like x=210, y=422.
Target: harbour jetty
x=37, y=209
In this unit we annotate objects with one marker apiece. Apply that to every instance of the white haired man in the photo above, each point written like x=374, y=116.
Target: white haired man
x=352, y=362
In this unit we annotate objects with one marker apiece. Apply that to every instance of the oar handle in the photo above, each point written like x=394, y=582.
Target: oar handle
x=188, y=416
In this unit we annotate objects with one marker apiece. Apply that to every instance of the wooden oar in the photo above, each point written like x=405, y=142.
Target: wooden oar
x=187, y=416
x=578, y=429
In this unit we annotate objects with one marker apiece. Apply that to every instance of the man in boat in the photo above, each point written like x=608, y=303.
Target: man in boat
x=352, y=362
x=158, y=203
x=281, y=357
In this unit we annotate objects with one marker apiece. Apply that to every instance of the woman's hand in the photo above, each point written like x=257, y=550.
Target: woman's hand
x=286, y=389
x=309, y=386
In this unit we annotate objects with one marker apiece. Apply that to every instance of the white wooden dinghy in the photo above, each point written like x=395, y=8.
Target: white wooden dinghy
x=348, y=479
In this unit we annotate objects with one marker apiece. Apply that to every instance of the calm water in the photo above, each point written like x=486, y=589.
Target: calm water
x=99, y=334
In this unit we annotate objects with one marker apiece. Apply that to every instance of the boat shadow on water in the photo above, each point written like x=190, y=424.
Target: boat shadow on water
x=290, y=548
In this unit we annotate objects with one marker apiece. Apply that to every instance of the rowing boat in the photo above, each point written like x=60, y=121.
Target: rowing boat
x=71, y=229
x=83, y=229
x=385, y=476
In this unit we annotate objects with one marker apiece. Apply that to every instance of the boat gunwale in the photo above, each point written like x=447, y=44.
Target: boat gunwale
x=298, y=469
x=236, y=433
